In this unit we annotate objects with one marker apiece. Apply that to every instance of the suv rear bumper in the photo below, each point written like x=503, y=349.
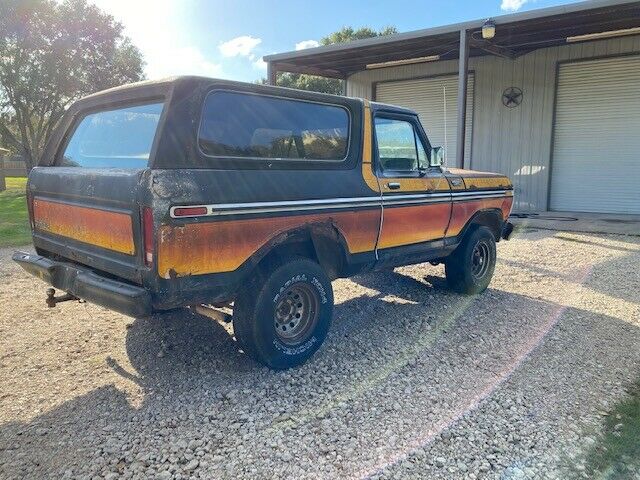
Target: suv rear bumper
x=84, y=283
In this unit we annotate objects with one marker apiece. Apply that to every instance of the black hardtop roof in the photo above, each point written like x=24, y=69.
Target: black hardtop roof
x=151, y=89
x=387, y=107
x=165, y=85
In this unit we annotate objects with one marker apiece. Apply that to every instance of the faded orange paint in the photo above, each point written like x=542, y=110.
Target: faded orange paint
x=474, y=179
x=215, y=247
x=463, y=211
x=222, y=246
x=367, y=151
x=414, y=224
x=102, y=228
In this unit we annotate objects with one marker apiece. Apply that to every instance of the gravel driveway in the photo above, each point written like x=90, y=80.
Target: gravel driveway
x=413, y=381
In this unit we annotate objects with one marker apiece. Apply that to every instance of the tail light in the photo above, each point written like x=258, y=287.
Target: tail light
x=189, y=211
x=32, y=221
x=147, y=235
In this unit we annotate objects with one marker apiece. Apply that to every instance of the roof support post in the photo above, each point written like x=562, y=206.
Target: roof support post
x=463, y=75
x=272, y=73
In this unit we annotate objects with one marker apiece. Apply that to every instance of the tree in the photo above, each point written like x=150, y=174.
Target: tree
x=51, y=54
x=314, y=83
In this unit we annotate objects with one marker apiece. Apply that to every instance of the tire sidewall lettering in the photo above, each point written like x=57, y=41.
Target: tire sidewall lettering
x=289, y=350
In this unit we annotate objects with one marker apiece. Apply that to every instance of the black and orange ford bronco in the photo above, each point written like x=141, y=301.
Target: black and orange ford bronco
x=207, y=193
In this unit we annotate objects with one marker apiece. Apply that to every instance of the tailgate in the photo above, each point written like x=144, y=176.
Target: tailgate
x=90, y=216
x=85, y=197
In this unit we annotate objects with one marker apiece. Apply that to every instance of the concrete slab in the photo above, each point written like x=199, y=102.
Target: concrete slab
x=579, y=222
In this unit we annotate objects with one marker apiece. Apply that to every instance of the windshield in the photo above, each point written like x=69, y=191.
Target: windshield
x=119, y=138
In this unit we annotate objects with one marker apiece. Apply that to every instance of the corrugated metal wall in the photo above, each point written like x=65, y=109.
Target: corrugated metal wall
x=514, y=141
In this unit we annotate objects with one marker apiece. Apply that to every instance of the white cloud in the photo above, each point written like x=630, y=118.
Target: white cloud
x=512, y=5
x=260, y=64
x=154, y=27
x=180, y=61
x=308, y=44
x=239, y=46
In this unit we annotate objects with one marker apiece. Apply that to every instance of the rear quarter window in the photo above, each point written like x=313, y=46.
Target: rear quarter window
x=242, y=125
x=117, y=138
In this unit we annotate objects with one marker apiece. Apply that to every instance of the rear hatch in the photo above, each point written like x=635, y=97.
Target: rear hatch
x=86, y=197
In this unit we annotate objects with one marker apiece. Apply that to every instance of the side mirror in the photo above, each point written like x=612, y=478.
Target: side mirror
x=437, y=157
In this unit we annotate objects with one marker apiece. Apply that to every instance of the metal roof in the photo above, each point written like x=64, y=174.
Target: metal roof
x=516, y=34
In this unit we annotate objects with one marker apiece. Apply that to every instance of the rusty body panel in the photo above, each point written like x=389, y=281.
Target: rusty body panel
x=415, y=224
x=212, y=247
x=102, y=228
x=464, y=211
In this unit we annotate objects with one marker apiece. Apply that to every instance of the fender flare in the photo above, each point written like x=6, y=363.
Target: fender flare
x=321, y=236
x=488, y=217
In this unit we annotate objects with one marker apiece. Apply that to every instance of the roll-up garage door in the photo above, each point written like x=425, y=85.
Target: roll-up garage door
x=431, y=98
x=596, y=147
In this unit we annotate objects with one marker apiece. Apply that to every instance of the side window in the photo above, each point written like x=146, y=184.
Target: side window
x=399, y=147
x=236, y=124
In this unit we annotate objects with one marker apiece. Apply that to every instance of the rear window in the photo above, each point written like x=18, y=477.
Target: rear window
x=257, y=126
x=119, y=138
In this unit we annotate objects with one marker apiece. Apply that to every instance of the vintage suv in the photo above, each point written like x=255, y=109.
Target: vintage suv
x=200, y=192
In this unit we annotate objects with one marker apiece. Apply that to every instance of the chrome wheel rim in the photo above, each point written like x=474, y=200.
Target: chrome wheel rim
x=480, y=260
x=296, y=314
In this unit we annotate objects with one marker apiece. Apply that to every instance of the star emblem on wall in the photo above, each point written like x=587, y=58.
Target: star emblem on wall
x=512, y=97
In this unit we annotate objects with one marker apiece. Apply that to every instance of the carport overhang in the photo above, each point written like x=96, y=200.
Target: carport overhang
x=515, y=35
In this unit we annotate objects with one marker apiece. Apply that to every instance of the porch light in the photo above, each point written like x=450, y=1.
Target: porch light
x=393, y=63
x=608, y=34
x=488, y=29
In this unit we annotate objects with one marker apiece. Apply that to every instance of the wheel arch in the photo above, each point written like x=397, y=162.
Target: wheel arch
x=490, y=218
x=322, y=242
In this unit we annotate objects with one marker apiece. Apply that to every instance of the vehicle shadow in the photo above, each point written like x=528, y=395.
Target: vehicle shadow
x=400, y=344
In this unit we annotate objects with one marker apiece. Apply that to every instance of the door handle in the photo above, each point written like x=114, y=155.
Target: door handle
x=393, y=185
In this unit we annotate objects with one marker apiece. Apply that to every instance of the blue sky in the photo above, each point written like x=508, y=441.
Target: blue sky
x=228, y=39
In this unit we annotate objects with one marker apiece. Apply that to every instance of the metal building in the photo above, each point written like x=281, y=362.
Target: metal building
x=552, y=98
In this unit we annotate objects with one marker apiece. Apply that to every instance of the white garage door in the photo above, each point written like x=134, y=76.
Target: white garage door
x=431, y=98
x=596, y=149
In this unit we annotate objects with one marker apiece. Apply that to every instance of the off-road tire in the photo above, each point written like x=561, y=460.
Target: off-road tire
x=470, y=267
x=269, y=298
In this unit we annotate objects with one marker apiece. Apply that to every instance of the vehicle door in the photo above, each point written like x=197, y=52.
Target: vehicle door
x=416, y=197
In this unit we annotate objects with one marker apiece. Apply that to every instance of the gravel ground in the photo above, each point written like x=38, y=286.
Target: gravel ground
x=413, y=381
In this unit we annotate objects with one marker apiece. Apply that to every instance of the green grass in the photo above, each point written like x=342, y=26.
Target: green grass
x=617, y=455
x=14, y=217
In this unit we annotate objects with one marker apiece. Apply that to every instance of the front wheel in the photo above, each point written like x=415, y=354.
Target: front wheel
x=470, y=267
x=282, y=317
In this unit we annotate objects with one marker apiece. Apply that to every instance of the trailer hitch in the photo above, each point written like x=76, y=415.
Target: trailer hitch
x=52, y=300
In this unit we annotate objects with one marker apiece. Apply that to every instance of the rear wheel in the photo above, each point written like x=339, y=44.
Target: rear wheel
x=470, y=267
x=282, y=317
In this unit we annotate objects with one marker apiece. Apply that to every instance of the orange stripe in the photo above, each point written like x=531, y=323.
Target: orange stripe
x=415, y=224
x=214, y=247
x=474, y=179
x=102, y=228
x=463, y=211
